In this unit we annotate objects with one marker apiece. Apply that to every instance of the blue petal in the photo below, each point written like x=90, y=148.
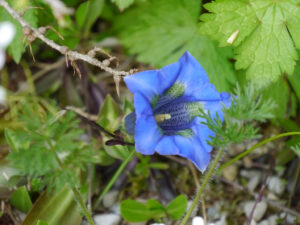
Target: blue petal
x=202, y=133
x=141, y=105
x=194, y=77
x=167, y=146
x=215, y=107
x=154, y=82
x=147, y=135
x=196, y=148
x=226, y=99
x=130, y=123
x=193, y=149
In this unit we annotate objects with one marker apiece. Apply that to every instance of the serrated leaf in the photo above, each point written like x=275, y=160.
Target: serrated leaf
x=164, y=30
x=267, y=33
x=123, y=4
x=134, y=211
x=20, y=199
x=295, y=81
x=177, y=207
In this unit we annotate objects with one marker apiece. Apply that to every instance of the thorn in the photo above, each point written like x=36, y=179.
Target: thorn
x=44, y=29
x=106, y=62
x=67, y=60
x=75, y=67
x=31, y=52
x=117, y=80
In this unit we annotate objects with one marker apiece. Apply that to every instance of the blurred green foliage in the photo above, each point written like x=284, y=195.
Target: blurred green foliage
x=235, y=42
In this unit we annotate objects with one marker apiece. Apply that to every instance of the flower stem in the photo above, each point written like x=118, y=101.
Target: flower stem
x=115, y=177
x=78, y=196
x=203, y=186
x=256, y=146
x=83, y=207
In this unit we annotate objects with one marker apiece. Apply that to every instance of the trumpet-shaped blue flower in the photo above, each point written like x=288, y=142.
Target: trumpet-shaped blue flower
x=167, y=105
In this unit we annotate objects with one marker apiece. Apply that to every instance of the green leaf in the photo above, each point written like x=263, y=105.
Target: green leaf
x=157, y=209
x=42, y=222
x=171, y=27
x=159, y=166
x=267, y=33
x=87, y=14
x=81, y=14
x=279, y=93
x=123, y=4
x=177, y=207
x=295, y=81
x=17, y=46
x=134, y=211
x=55, y=208
x=297, y=150
x=21, y=199
x=109, y=115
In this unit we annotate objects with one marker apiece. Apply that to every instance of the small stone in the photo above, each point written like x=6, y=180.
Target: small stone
x=250, y=173
x=107, y=219
x=230, y=172
x=253, y=222
x=272, y=196
x=138, y=223
x=222, y=221
x=276, y=185
x=110, y=198
x=214, y=212
x=291, y=219
x=259, y=211
x=116, y=208
x=273, y=219
x=254, y=181
x=198, y=220
x=264, y=222
x=2, y=95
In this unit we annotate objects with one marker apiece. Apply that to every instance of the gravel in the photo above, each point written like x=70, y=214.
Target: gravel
x=259, y=211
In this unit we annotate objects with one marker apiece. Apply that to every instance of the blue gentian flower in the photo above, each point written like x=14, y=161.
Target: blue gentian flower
x=167, y=105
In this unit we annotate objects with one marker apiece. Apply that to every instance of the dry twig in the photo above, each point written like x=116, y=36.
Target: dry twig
x=72, y=55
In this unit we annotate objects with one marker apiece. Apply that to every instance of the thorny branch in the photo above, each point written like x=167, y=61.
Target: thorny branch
x=33, y=33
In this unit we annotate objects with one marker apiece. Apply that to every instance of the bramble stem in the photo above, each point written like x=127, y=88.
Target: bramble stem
x=115, y=177
x=203, y=186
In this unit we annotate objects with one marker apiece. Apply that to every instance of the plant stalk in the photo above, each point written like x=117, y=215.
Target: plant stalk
x=256, y=146
x=115, y=177
x=203, y=186
x=78, y=196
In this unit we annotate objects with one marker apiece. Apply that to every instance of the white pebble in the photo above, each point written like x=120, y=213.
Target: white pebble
x=110, y=198
x=2, y=95
x=259, y=211
x=7, y=33
x=276, y=185
x=107, y=219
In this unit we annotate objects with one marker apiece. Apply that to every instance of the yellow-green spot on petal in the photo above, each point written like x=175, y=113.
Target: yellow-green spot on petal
x=195, y=109
x=154, y=101
x=185, y=133
x=176, y=90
